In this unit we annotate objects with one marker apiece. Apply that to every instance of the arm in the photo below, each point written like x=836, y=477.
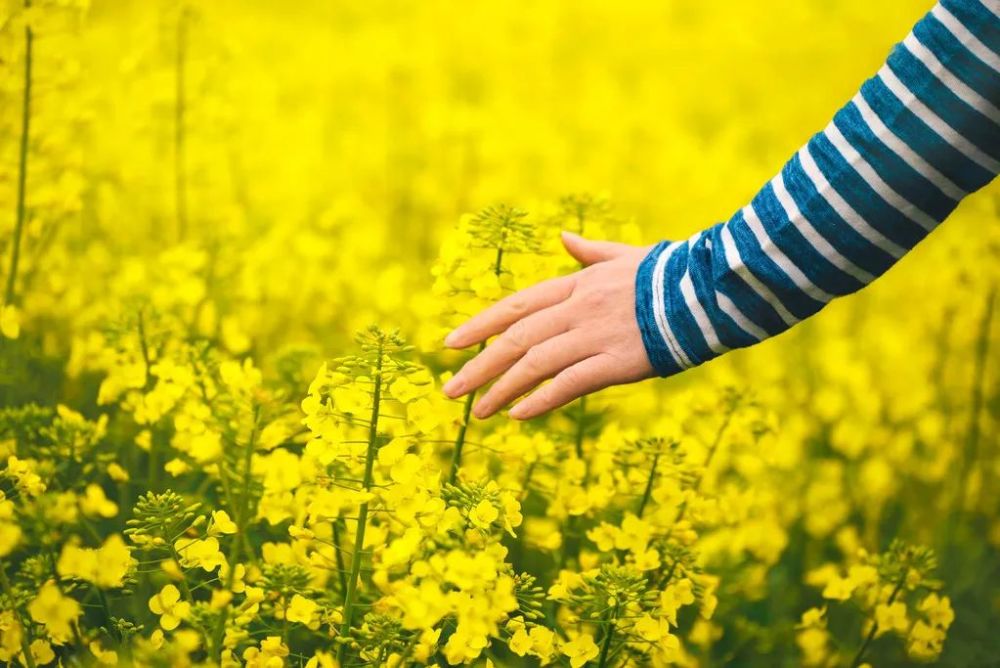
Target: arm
x=895, y=161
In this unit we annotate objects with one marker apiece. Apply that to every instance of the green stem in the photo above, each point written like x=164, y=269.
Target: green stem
x=9, y=591
x=456, y=457
x=407, y=651
x=247, y=474
x=105, y=607
x=649, y=485
x=341, y=570
x=185, y=589
x=144, y=349
x=529, y=471
x=22, y=175
x=350, y=599
x=284, y=621
x=602, y=661
x=874, y=629
x=242, y=518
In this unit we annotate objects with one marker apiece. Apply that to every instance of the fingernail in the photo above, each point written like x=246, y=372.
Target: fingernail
x=452, y=338
x=479, y=410
x=572, y=235
x=517, y=412
x=453, y=387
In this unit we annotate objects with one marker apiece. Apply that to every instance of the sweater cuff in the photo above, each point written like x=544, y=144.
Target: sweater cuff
x=650, y=313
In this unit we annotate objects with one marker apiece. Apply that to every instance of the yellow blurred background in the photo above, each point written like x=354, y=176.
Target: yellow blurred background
x=277, y=175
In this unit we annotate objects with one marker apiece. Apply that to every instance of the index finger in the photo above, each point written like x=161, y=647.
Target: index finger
x=509, y=310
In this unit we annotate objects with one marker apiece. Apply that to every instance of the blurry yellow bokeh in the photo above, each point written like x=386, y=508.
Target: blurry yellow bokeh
x=205, y=201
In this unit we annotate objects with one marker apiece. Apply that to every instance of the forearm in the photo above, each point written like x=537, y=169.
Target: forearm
x=894, y=162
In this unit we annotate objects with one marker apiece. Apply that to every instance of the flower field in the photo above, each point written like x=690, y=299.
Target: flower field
x=233, y=236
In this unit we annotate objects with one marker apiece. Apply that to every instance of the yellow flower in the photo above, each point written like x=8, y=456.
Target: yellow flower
x=115, y=558
x=176, y=467
x=604, y=536
x=95, y=504
x=674, y=597
x=581, y=650
x=838, y=589
x=891, y=617
x=422, y=606
x=41, y=652
x=650, y=629
x=938, y=610
x=105, y=567
x=520, y=642
x=322, y=660
x=301, y=610
x=169, y=606
x=10, y=321
x=512, y=516
x=105, y=657
x=11, y=635
x=407, y=388
x=10, y=536
x=464, y=645
x=542, y=642
x=55, y=611
x=23, y=471
x=924, y=642
x=813, y=643
x=406, y=469
x=221, y=524
x=271, y=654
x=240, y=378
x=862, y=575
x=117, y=473
x=813, y=617
x=199, y=553
x=484, y=514
x=486, y=285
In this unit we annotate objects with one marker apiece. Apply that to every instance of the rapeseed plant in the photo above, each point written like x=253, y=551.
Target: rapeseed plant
x=193, y=225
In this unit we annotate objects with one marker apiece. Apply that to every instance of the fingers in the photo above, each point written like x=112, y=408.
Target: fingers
x=592, y=374
x=540, y=363
x=589, y=252
x=509, y=310
x=508, y=348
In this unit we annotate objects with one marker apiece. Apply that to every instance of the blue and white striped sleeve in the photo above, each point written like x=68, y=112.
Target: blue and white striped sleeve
x=895, y=161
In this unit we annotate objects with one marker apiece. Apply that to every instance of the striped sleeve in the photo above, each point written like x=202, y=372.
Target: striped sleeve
x=894, y=162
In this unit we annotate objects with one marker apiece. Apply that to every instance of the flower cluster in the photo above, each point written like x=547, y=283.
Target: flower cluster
x=209, y=457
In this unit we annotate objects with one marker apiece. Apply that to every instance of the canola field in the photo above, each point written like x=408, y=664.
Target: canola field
x=233, y=236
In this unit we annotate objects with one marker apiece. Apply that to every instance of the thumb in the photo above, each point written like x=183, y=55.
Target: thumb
x=590, y=252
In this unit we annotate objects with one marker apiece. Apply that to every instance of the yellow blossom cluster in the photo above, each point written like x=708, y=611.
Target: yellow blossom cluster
x=209, y=456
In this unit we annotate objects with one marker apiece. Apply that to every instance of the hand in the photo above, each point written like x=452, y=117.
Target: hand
x=580, y=329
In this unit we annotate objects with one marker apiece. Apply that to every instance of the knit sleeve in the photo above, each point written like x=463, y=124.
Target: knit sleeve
x=894, y=162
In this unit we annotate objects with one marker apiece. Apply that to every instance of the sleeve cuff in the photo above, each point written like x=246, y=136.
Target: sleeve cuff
x=650, y=313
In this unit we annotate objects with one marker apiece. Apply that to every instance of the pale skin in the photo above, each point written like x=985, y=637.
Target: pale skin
x=579, y=330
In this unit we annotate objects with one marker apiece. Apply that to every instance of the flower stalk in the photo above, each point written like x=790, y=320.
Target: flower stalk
x=456, y=457
x=350, y=598
x=609, y=634
x=648, y=492
x=874, y=629
x=22, y=173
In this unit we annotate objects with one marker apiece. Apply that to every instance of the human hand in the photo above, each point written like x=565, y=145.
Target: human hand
x=580, y=330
